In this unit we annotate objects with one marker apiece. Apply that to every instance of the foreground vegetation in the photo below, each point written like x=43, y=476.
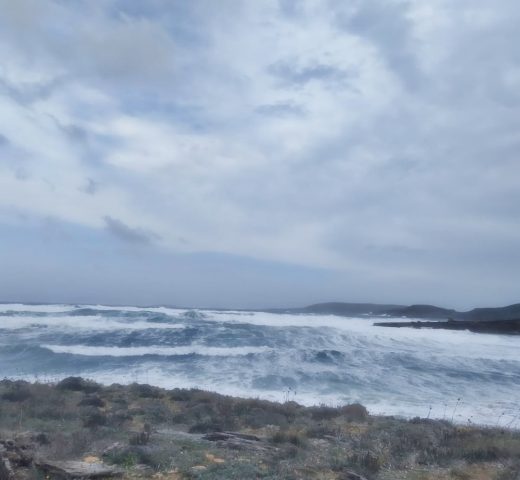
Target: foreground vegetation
x=177, y=434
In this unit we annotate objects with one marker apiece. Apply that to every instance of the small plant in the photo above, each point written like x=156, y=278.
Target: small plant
x=292, y=437
x=94, y=420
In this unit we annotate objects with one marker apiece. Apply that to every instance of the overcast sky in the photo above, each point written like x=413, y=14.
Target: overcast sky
x=260, y=153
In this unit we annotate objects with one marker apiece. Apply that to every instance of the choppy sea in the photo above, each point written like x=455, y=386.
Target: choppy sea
x=311, y=359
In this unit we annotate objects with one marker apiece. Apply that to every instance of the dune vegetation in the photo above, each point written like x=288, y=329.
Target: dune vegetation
x=141, y=431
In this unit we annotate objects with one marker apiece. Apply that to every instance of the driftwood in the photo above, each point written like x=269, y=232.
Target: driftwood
x=74, y=469
x=216, y=436
x=348, y=475
x=238, y=441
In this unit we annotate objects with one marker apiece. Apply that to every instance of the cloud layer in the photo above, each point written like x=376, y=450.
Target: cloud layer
x=374, y=140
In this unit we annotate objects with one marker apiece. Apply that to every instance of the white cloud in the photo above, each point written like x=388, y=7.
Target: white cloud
x=338, y=135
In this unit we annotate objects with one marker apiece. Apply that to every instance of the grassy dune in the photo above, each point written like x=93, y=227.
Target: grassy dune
x=152, y=432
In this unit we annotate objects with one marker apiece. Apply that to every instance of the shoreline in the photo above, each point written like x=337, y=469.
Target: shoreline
x=463, y=413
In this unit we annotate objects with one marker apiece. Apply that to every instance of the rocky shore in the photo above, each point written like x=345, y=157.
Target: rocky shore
x=79, y=429
x=499, y=327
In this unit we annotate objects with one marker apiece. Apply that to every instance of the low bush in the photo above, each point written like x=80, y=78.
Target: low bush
x=292, y=437
x=17, y=395
x=354, y=412
x=78, y=384
x=92, y=401
x=145, y=390
x=95, y=419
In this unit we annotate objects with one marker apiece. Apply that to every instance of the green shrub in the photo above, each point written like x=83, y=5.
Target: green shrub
x=355, y=412
x=78, y=384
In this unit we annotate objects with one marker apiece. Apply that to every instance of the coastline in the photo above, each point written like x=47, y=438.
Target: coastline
x=496, y=327
x=140, y=431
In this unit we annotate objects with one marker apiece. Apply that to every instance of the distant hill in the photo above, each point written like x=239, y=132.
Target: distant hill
x=502, y=313
x=338, y=308
x=430, y=312
x=422, y=311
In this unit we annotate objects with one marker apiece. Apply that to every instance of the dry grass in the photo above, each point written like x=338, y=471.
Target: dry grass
x=82, y=418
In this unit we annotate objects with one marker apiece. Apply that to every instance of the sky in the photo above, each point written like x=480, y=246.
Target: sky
x=260, y=153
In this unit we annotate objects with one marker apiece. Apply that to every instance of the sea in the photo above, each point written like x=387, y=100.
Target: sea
x=310, y=359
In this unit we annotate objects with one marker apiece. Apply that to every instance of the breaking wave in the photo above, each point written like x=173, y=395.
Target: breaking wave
x=307, y=358
x=158, y=351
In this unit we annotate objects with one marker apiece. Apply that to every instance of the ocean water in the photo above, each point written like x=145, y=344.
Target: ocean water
x=310, y=359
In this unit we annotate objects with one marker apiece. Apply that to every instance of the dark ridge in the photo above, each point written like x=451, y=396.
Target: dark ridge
x=429, y=312
x=423, y=311
x=510, y=312
x=343, y=309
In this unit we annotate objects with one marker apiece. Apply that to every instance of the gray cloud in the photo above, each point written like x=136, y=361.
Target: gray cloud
x=91, y=187
x=376, y=140
x=387, y=25
x=29, y=92
x=290, y=73
x=280, y=109
x=128, y=234
x=21, y=174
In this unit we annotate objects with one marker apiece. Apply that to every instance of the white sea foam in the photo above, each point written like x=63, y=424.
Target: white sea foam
x=86, y=322
x=442, y=342
x=164, y=351
x=323, y=359
x=163, y=310
x=20, y=307
x=64, y=308
x=486, y=411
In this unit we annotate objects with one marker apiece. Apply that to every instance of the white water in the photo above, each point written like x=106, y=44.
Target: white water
x=308, y=358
